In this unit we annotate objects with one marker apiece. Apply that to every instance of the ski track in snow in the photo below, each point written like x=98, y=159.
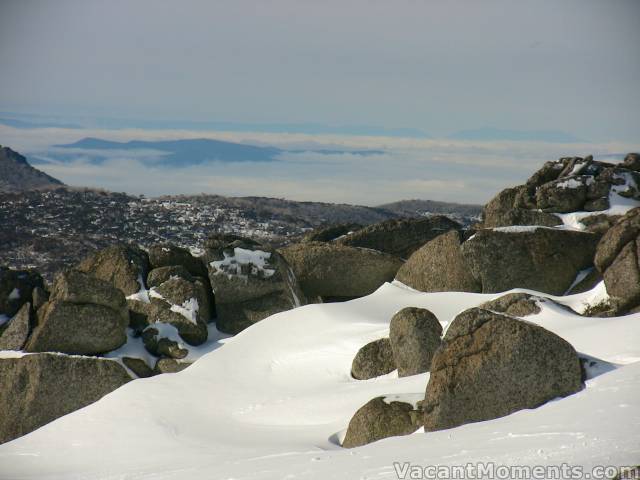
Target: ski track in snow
x=272, y=402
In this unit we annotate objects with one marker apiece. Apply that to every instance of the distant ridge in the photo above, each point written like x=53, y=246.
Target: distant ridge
x=16, y=175
x=183, y=152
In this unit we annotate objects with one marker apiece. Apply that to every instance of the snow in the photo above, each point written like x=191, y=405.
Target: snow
x=274, y=401
x=575, y=182
x=518, y=228
x=189, y=310
x=232, y=265
x=4, y=319
x=582, y=274
x=141, y=295
x=15, y=294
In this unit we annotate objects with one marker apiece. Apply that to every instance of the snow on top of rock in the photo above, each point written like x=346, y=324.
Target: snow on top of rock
x=189, y=310
x=15, y=294
x=141, y=295
x=232, y=265
x=575, y=182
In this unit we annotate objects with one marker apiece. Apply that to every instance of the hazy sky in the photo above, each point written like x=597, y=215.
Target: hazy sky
x=438, y=66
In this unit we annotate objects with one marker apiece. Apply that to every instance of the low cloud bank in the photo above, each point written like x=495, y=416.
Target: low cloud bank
x=449, y=170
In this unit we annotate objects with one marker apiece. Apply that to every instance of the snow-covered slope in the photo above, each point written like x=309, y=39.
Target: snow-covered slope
x=273, y=402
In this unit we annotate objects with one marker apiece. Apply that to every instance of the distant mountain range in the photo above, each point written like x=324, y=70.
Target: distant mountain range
x=175, y=153
x=16, y=175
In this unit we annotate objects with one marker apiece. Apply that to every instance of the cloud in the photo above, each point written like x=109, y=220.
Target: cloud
x=437, y=169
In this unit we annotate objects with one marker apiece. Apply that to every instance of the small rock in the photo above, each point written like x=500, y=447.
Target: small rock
x=378, y=419
x=169, y=365
x=414, y=336
x=138, y=366
x=373, y=360
x=161, y=346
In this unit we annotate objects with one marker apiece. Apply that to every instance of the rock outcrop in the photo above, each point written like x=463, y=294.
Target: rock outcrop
x=570, y=184
x=330, y=270
x=16, y=175
x=36, y=389
x=373, y=360
x=250, y=282
x=491, y=365
x=414, y=335
x=381, y=418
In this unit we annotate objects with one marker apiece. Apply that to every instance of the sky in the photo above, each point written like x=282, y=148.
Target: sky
x=350, y=66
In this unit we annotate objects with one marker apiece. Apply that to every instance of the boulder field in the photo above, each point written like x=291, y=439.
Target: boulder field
x=128, y=312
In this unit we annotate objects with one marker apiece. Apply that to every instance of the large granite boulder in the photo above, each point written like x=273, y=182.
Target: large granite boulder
x=85, y=329
x=36, y=389
x=381, y=418
x=124, y=266
x=250, y=282
x=84, y=316
x=439, y=266
x=16, y=287
x=617, y=260
x=491, y=365
x=80, y=288
x=373, y=360
x=542, y=259
x=330, y=270
x=414, y=335
x=14, y=334
x=399, y=237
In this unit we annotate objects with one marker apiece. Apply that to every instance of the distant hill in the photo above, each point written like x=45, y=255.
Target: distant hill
x=490, y=133
x=178, y=153
x=16, y=175
x=413, y=208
